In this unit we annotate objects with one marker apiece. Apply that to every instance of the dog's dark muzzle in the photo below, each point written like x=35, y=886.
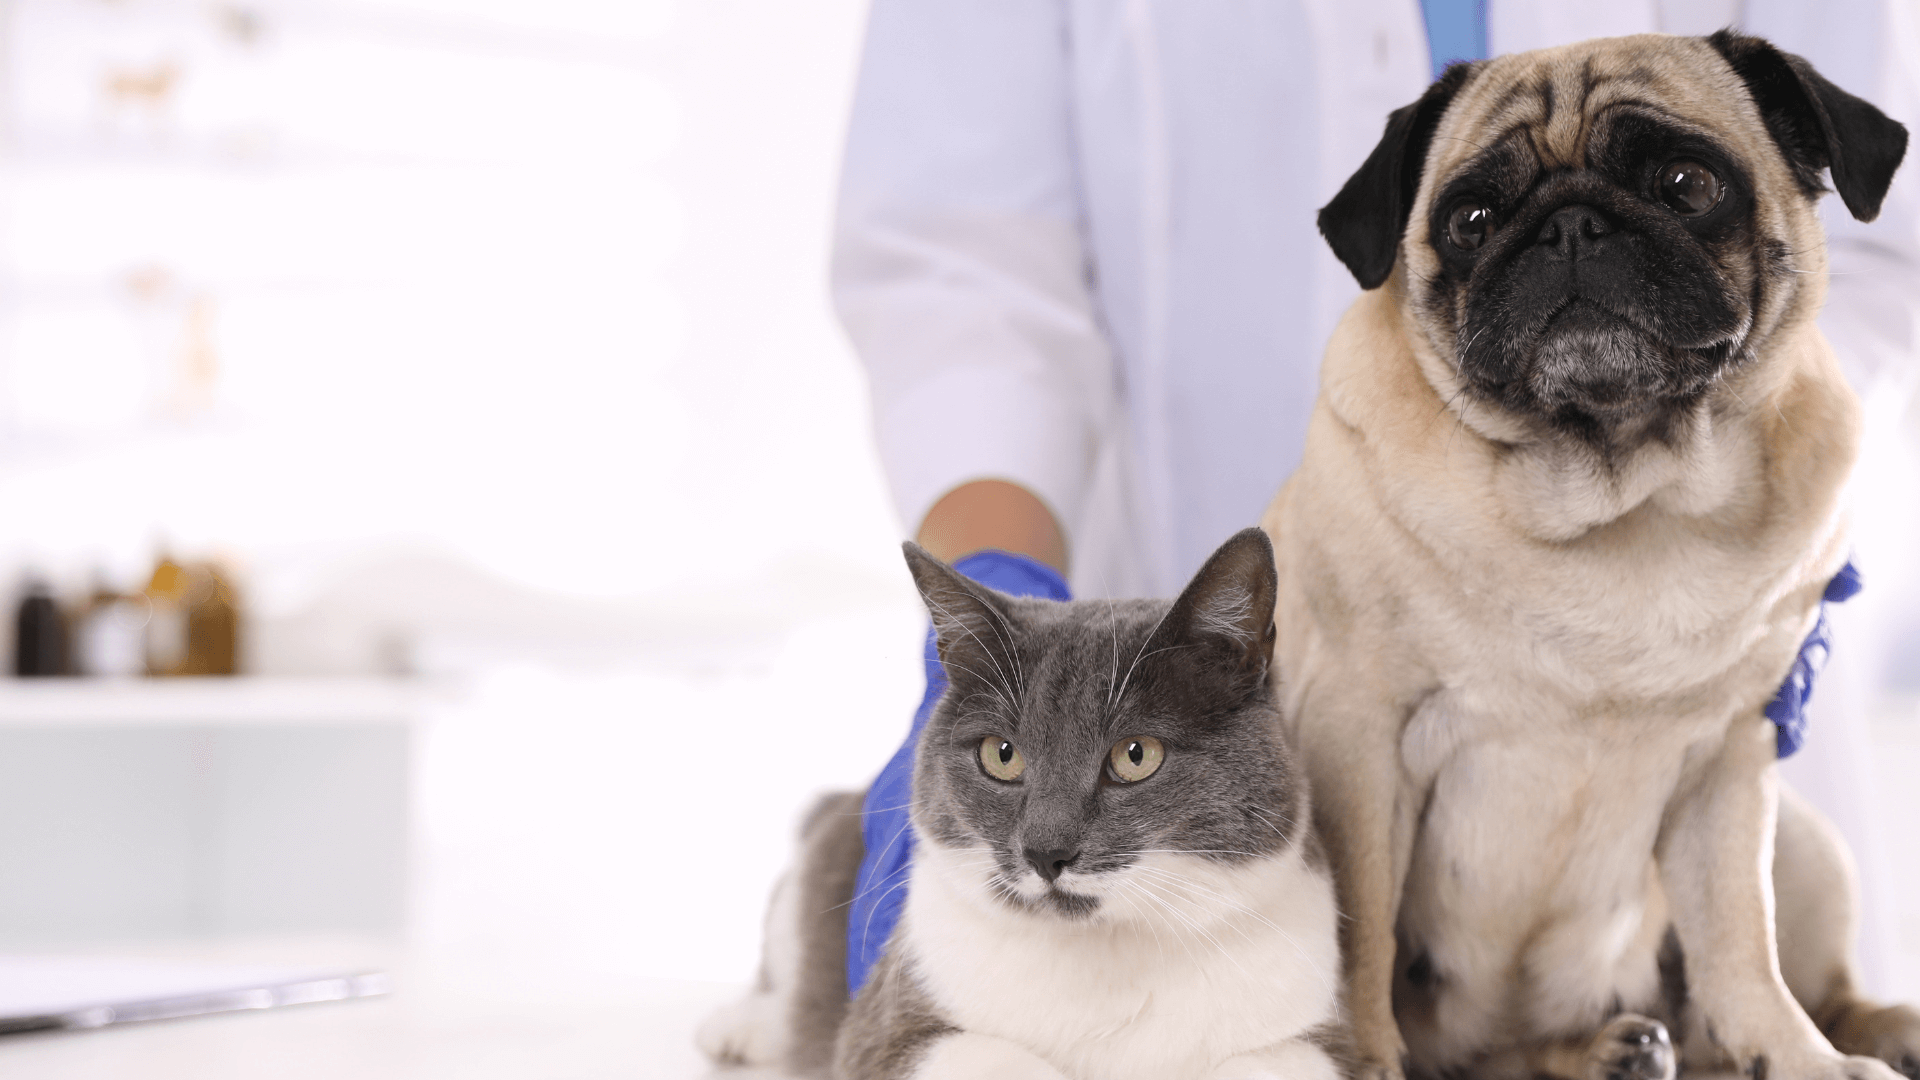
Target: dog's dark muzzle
x=1582, y=306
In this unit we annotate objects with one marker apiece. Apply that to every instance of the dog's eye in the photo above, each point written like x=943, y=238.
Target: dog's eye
x=1001, y=760
x=1136, y=758
x=1469, y=225
x=1690, y=188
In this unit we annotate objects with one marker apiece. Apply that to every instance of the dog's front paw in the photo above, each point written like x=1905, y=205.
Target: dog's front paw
x=1825, y=1067
x=1891, y=1034
x=1631, y=1047
x=1377, y=1051
x=1866, y=1068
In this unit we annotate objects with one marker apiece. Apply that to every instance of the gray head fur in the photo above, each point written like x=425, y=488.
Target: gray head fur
x=1065, y=682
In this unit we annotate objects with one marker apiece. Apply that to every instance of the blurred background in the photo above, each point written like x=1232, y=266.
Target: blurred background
x=474, y=356
x=483, y=347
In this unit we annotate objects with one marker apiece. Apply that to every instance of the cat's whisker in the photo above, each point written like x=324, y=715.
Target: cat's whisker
x=1268, y=816
x=1133, y=893
x=1189, y=851
x=997, y=624
x=1243, y=909
x=1205, y=935
x=986, y=863
x=1238, y=908
x=883, y=880
x=1211, y=893
x=999, y=692
x=1006, y=639
x=895, y=838
x=898, y=833
x=1137, y=663
x=1144, y=642
x=1005, y=713
x=1264, y=815
x=1159, y=905
x=1168, y=896
x=1113, y=625
x=941, y=610
x=1008, y=891
x=1325, y=977
x=867, y=930
x=998, y=686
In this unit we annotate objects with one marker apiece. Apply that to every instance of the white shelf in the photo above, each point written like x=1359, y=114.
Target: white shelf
x=208, y=700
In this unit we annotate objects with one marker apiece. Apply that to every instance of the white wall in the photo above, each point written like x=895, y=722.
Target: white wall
x=520, y=301
x=142, y=833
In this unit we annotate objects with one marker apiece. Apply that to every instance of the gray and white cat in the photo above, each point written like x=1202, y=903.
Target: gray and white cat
x=1114, y=876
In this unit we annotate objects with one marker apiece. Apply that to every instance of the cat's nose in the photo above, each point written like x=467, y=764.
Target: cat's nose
x=1049, y=863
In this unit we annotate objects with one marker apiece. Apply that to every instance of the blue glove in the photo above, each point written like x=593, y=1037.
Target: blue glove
x=1788, y=709
x=881, y=889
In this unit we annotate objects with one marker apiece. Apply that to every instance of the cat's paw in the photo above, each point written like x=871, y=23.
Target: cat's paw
x=751, y=1031
x=1891, y=1034
x=1631, y=1047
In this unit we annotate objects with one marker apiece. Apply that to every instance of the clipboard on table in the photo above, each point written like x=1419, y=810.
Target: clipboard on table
x=53, y=993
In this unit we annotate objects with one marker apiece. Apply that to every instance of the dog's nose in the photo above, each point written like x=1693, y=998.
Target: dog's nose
x=1049, y=863
x=1570, y=232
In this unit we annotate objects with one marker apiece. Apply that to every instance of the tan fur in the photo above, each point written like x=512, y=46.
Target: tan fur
x=1527, y=679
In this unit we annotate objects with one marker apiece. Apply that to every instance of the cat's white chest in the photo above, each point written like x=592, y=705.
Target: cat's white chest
x=1243, y=960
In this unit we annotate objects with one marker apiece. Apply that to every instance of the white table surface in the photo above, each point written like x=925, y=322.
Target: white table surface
x=464, y=1016
x=248, y=700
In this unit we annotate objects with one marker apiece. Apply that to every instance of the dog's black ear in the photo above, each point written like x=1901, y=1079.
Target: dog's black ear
x=1817, y=124
x=1364, y=222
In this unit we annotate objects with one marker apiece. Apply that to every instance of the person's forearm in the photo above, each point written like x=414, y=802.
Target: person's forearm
x=983, y=514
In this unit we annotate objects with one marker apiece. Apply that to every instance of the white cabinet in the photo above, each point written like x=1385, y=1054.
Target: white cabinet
x=167, y=809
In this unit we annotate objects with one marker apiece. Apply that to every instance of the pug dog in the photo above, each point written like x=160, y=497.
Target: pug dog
x=1569, y=501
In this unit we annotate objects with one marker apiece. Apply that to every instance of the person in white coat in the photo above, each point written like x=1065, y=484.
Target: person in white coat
x=1076, y=253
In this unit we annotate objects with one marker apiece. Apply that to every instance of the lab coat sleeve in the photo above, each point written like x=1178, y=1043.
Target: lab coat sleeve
x=959, y=266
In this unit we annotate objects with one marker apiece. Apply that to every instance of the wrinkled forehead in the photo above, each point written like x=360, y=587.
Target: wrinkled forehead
x=1550, y=103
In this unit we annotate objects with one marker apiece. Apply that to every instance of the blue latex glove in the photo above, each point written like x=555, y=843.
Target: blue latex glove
x=881, y=890
x=1788, y=709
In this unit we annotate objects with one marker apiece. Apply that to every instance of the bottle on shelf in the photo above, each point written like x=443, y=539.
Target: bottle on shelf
x=166, y=637
x=40, y=633
x=110, y=634
x=213, y=623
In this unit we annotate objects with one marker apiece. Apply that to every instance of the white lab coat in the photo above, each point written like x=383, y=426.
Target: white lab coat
x=1076, y=249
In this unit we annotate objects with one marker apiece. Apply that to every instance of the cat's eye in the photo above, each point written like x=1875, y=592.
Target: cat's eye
x=1001, y=759
x=1689, y=188
x=1469, y=225
x=1136, y=759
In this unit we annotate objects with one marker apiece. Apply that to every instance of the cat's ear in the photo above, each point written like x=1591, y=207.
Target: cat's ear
x=1227, y=609
x=970, y=624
